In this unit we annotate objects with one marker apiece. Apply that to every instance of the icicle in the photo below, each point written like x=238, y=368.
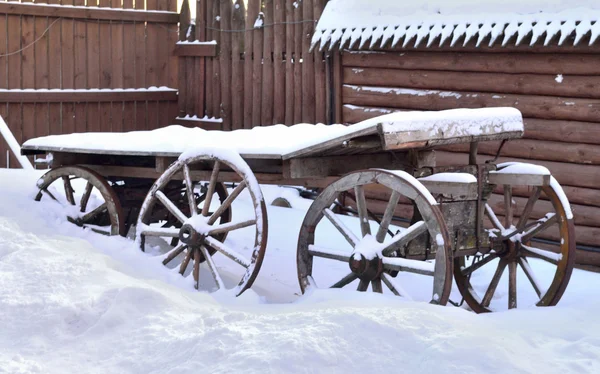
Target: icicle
x=523, y=31
x=387, y=35
x=364, y=36
x=510, y=30
x=315, y=39
x=422, y=33
x=346, y=37
x=566, y=30
x=435, y=31
x=496, y=32
x=400, y=32
x=355, y=36
x=459, y=31
x=446, y=32
x=337, y=34
x=472, y=30
x=595, y=32
x=551, y=30
x=583, y=28
x=410, y=33
x=377, y=34
x=484, y=31
x=537, y=31
x=325, y=38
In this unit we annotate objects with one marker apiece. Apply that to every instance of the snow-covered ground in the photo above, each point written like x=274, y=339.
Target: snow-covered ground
x=75, y=301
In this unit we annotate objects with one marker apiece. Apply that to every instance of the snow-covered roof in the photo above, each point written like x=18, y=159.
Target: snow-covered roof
x=366, y=24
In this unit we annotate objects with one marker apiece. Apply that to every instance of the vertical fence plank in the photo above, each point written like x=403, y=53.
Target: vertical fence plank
x=257, y=70
x=184, y=85
x=308, y=65
x=3, y=83
x=28, y=78
x=128, y=68
x=106, y=50
x=140, y=69
x=118, y=51
x=200, y=68
x=41, y=121
x=80, y=69
x=172, y=36
x=251, y=14
x=237, y=68
x=67, y=44
x=298, y=83
x=320, y=81
x=93, y=69
x=267, y=79
x=14, y=114
x=216, y=73
x=289, y=66
x=279, y=63
x=225, y=63
x=54, y=70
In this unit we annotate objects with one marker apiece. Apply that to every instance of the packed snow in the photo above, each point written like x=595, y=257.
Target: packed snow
x=447, y=22
x=280, y=140
x=75, y=301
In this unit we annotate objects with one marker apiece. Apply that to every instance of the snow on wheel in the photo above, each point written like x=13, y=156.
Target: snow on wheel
x=414, y=262
x=88, y=199
x=533, y=238
x=204, y=223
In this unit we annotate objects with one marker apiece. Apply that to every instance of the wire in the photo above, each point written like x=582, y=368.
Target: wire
x=263, y=26
x=33, y=42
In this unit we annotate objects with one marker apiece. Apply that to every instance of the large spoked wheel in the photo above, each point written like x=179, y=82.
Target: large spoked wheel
x=89, y=200
x=340, y=251
x=204, y=223
x=532, y=235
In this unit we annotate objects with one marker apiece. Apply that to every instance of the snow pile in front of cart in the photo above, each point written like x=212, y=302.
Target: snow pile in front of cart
x=75, y=301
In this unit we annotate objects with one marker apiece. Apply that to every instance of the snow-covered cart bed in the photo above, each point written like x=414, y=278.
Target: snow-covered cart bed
x=403, y=222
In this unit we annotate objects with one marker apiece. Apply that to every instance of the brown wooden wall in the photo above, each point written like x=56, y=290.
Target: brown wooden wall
x=258, y=76
x=107, y=45
x=562, y=116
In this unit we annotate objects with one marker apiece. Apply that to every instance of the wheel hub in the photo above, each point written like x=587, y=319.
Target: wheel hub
x=366, y=269
x=190, y=236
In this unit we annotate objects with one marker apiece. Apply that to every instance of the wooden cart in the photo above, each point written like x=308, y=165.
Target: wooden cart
x=451, y=229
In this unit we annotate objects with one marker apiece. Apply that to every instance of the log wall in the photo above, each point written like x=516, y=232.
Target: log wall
x=558, y=94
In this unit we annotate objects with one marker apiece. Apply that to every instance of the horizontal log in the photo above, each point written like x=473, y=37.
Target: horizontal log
x=544, y=107
x=195, y=50
x=86, y=96
x=523, y=84
x=540, y=129
x=199, y=122
x=576, y=195
x=511, y=63
x=89, y=13
x=537, y=150
x=575, y=175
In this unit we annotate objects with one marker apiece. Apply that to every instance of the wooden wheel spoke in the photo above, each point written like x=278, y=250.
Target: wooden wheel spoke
x=512, y=285
x=544, y=224
x=508, y=212
x=396, y=289
x=376, y=285
x=363, y=214
x=409, y=266
x=170, y=206
x=196, y=271
x=189, y=190
x=528, y=208
x=87, y=218
x=387, y=217
x=228, y=252
x=45, y=190
x=167, y=232
x=542, y=254
x=211, y=188
x=332, y=254
x=227, y=203
x=489, y=293
x=85, y=198
x=174, y=253
x=186, y=260
x=213, y=268
x=531, y=276
x=345, y=281
x=479, y=264
x=405, y=237
x=343, y=229
x=363, y=285
x=495, y=221
x=69, y=192
x=231, y=226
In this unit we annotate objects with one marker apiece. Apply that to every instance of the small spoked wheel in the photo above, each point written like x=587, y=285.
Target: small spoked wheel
x=336, y=250
x=88, y=199
x=195, y=231
x=532, y=238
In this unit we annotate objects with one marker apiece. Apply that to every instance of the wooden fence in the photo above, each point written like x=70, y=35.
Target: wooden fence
x=76, y=65
x=260, y=72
